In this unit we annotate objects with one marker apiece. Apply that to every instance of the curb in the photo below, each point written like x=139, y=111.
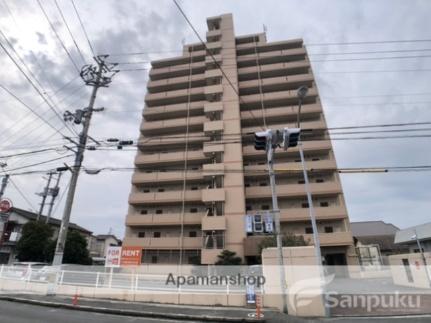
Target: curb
x=85, y=308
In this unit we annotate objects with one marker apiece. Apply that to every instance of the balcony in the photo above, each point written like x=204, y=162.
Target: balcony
x=174, y=111
x=291, y=167
x=175, y=83
x=213, y=108
x=137, y=220
x=213, y=195
x=287, y=113
x=177, y=142
x=249, y=48
x=214, y=45
x=273, y=70
x=210, y=223
x=321, y=213
x=315, y=125
x=213, y=91
x=172, y=125
x=185, y=58
x=275, y=99
x=138, y=198
x=174, y=97
x=165, y=177
x=177, y=70
x=212, y=148
x=164, y=242
x=213, y=73
x=251, y=244
x=332, y=239
x=193, y=157
x=210, y=170
x=293, y=190
x=271, y=57
x=319, y=145
x=213, y=35
x=213, y=127
x=211, y=59
x=275, y=84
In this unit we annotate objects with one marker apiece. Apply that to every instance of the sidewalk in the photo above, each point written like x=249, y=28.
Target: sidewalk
x=165, y=311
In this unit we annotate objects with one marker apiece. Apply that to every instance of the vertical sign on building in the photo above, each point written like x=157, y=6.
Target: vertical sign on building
x=131, y=256
x=113, y=257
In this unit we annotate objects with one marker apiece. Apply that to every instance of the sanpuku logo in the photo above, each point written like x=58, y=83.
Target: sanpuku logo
x=303, y=292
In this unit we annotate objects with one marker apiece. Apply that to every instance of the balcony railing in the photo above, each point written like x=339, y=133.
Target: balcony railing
x=133, y=220
x=293, y=190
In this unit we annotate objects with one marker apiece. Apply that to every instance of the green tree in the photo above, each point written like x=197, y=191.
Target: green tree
x=35, y=237
x=287, y=240
x=75, y=249
x=228, y=258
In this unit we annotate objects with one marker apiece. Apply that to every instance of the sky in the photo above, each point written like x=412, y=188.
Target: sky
x=355, y=89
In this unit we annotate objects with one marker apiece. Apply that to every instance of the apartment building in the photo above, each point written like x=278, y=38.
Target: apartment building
x=198, y=174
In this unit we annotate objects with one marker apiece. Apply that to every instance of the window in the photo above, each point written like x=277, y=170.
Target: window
x=159, y=211
x=263, y=184
x=308, y=230
x=301, y=181
x=149, y=171
x=248, y=207
x=157, y=234
x=194, y=188
x=324, y=204
x=315, y=159
x=297, y=160
x=192, y=234
x=320, y=180
x=141, y=234
x=305, y=205
x=329, y=229
x=247, y=184
x=193, y=210
x=265, y=207
x=261, y=163
x=146, y=190
x=154, y=259
x=144, y=211
x=161, y=190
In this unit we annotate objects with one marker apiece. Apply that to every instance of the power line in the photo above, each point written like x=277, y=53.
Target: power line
x=39, y=163
x=70, y=32
x=57, y=36
x=83, y=28
x=33, y=85
x=22, y=195
x=371, y=42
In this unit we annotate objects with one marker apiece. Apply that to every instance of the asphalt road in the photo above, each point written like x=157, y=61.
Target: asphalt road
x=11, y=312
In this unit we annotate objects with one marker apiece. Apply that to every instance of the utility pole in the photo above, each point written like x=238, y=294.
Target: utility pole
x=54, y=193
x=4, y=183
x=96, y=77
x=424, y=260
x=44, y=195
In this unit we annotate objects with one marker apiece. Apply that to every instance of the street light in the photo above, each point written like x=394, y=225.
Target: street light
x=302, y=92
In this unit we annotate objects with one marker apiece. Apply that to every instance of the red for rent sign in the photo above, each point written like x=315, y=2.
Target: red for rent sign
x=131, y=256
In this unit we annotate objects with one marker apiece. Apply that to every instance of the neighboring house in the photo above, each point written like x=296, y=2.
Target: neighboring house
x=374, y=241
x=11, y=227
x=100, y=244
x=407, y=238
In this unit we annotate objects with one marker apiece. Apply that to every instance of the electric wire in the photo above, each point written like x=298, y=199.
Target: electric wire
x=83, y=28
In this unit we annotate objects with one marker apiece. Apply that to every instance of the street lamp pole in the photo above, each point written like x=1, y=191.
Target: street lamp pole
x=302, y=92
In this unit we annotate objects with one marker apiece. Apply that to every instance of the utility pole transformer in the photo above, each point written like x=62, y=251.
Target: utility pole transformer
x=96, y=77
x=4, y=183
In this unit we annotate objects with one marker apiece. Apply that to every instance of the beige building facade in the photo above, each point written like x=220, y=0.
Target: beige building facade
x=197, y=172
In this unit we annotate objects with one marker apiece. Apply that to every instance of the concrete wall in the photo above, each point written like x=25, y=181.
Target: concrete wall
x=418, y=276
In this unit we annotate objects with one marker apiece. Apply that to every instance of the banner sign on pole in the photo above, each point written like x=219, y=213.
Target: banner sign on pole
x=113, y=257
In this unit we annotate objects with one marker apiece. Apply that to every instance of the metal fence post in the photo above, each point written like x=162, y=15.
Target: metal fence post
x=61, y=277
x=97, y=279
